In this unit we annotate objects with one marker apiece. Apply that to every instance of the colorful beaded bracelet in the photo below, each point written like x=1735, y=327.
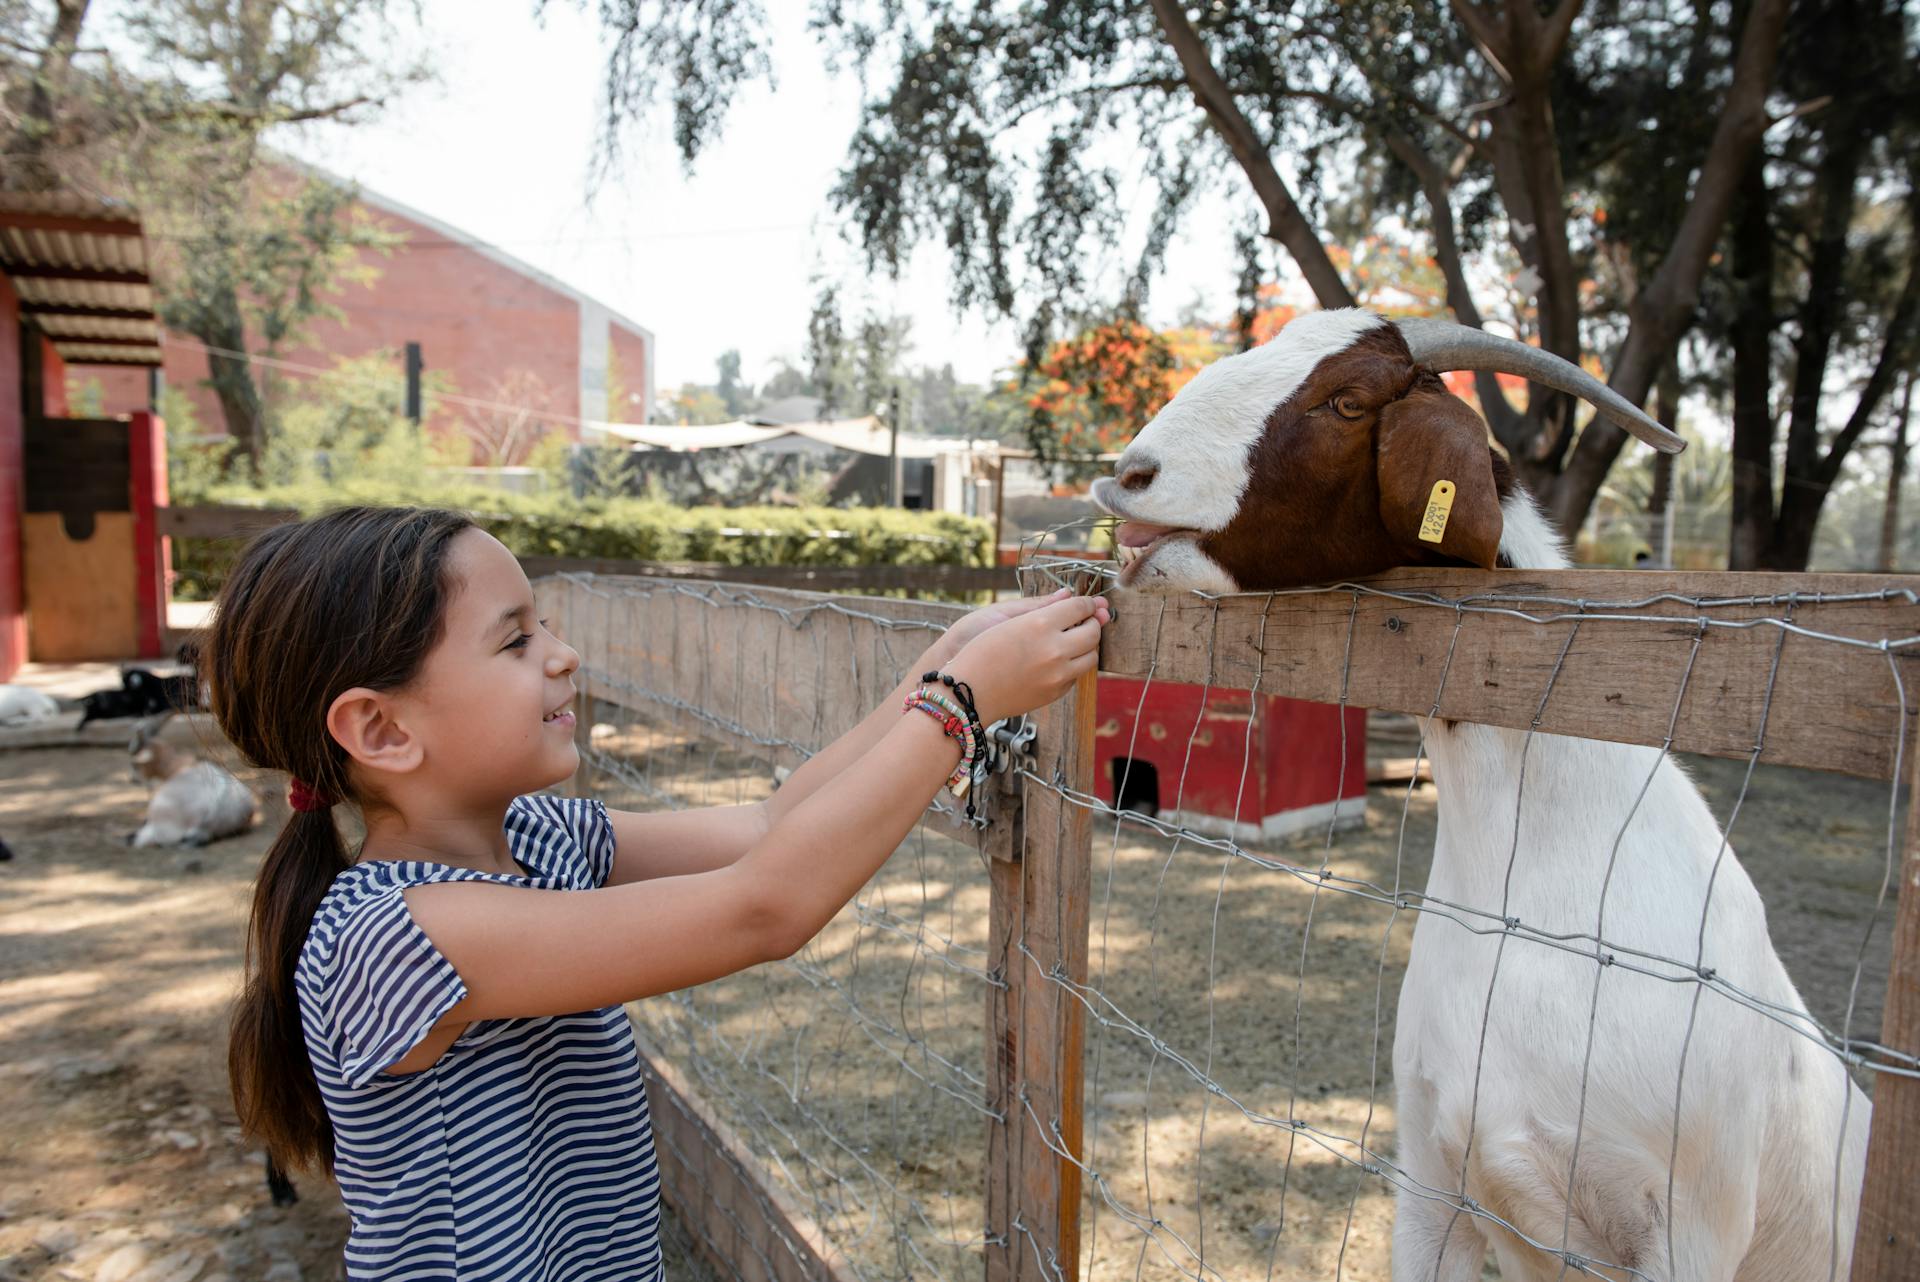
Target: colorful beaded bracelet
x=955, y=727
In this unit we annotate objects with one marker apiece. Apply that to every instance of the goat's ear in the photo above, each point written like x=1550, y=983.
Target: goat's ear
x=1437, y=493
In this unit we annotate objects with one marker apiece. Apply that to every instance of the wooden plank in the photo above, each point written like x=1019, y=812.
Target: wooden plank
x=1834, y=706
x=713, y=1184
x=817, y=578
x=1886, y=1244
x=25, y=220
x=219, y=521
x=1037, y=1029
x=725, y=662
x=106, y=275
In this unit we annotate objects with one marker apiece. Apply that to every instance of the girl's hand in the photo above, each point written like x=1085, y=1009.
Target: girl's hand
x=1028, y=660
x=978, y=622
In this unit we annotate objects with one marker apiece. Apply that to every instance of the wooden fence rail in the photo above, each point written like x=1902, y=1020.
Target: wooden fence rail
x=1837, y=689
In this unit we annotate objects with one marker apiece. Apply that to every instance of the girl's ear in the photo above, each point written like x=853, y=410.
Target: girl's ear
x=367, y=724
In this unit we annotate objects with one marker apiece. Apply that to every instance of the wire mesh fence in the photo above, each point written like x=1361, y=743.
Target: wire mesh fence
x=1096, y=1038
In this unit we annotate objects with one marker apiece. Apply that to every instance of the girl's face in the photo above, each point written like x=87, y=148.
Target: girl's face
x=493, y=702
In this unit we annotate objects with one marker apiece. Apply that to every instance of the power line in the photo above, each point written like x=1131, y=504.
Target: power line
x=316, y=371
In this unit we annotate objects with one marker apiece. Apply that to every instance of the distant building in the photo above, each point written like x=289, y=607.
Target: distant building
x=497, y=328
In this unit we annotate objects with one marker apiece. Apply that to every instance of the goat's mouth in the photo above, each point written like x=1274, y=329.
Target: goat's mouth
x=1135, y=542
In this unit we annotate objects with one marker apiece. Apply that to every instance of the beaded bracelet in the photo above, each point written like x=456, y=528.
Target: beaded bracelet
x=953, y=723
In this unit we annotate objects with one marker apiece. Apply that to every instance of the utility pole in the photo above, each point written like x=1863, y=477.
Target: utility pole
x=893, y=450
x=414, y=367
x=1896, y=479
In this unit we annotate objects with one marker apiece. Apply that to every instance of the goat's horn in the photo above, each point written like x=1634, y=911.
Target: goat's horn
x=1444, y=345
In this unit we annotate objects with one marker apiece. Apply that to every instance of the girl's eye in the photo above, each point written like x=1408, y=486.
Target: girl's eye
x=520, y=642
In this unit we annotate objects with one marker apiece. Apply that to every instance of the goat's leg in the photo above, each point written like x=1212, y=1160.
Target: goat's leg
x=279, y=1187
x=1434, y=1241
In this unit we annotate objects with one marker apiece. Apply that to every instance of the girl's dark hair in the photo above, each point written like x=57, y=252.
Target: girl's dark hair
x=352, y=598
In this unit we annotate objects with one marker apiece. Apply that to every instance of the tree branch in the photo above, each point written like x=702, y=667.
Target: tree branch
x=1285, y=222
x=1663, y=310
x=1491, y=37
x=1894, y=356
x=1168, y=83
x=1508, y=427
x=1554, y=31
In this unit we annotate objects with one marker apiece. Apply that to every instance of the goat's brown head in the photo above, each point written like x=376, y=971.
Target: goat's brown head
x=1333, y=451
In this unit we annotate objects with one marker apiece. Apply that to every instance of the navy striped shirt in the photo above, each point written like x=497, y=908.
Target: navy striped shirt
x=525, y=1152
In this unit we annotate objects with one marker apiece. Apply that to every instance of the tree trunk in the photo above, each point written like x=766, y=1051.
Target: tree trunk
x=1751, y=534
x=32, y=135
x=1805, y=482
x=1662, y=312
x=1660, y=498
x=1896, y=478
x=231, y=377
x=1286, y=224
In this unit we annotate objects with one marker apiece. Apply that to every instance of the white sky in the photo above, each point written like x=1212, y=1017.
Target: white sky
x=501, y=147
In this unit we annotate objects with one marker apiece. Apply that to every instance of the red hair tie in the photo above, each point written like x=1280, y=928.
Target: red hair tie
x=305, y=799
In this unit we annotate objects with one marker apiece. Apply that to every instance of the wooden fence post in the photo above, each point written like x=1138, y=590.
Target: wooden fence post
x=1886, y=1245
x=1037, y=935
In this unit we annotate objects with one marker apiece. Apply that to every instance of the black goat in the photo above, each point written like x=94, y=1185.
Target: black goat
x=141, y=694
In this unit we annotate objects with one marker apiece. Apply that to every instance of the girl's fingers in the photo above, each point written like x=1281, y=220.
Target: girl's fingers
x=1083, y=637
x=1072, y=610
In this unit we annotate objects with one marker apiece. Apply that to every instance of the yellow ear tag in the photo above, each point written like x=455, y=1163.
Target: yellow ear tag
x=1433, y=526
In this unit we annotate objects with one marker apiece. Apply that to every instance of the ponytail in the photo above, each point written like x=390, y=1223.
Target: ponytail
x=272, y=1076
x=276, y=656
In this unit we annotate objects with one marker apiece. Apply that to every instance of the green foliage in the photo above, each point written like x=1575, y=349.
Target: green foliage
x=628, y=529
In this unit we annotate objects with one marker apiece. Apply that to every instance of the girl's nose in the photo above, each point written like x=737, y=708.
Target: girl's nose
x=565, y=660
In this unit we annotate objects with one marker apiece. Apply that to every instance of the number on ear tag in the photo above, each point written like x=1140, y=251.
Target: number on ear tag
x=1433, y=526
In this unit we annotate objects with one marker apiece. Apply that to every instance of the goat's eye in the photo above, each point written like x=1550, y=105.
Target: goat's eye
x=1347, y=406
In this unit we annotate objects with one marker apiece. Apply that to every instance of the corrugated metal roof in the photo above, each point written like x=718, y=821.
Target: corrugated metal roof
x=80, y=268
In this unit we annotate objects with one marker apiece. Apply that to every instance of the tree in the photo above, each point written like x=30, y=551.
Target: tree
x=245, y=248
x=1820, y=304
x=1455, y=118
x=738, y=396
x=694, y=404
x=511, y=420
x=36, y=127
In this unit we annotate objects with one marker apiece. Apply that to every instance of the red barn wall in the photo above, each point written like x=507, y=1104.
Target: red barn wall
x=495, y=330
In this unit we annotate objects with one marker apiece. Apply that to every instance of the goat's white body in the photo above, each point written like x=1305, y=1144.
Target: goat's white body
x=200, y=803
x=24, y=706
x=1766, y=1120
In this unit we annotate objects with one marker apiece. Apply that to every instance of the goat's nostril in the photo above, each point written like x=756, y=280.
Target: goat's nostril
x=1139, y=476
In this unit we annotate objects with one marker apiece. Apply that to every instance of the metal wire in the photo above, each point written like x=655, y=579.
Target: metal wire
x=855, y=1071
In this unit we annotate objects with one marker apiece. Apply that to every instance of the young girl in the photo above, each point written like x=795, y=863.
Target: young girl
x=436, y=1017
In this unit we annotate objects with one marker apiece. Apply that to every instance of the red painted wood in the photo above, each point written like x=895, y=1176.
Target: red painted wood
x=1291, y=755
x=152, y=551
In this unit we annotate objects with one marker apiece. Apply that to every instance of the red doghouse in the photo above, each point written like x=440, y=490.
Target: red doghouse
x=1216, y=767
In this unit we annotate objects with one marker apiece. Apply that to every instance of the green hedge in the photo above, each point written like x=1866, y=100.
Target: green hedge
x=636, y=529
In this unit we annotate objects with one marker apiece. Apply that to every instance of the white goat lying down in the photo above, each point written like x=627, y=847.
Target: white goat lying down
x=196, y=802
x=1310, y=460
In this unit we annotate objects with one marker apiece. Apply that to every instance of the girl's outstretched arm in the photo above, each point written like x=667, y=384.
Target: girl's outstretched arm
x=680, y=842
x=523, y=952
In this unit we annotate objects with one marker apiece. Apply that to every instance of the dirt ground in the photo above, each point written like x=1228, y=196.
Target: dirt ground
x=119, y=1157
x=854, y=1072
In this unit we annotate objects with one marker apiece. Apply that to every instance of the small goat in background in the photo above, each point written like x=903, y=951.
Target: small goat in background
x=195, y=801
x=1312, y=460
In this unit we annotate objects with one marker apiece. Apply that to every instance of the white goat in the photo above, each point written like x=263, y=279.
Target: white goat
x=196, y=801
x=25, y=706
x=1312, y=459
